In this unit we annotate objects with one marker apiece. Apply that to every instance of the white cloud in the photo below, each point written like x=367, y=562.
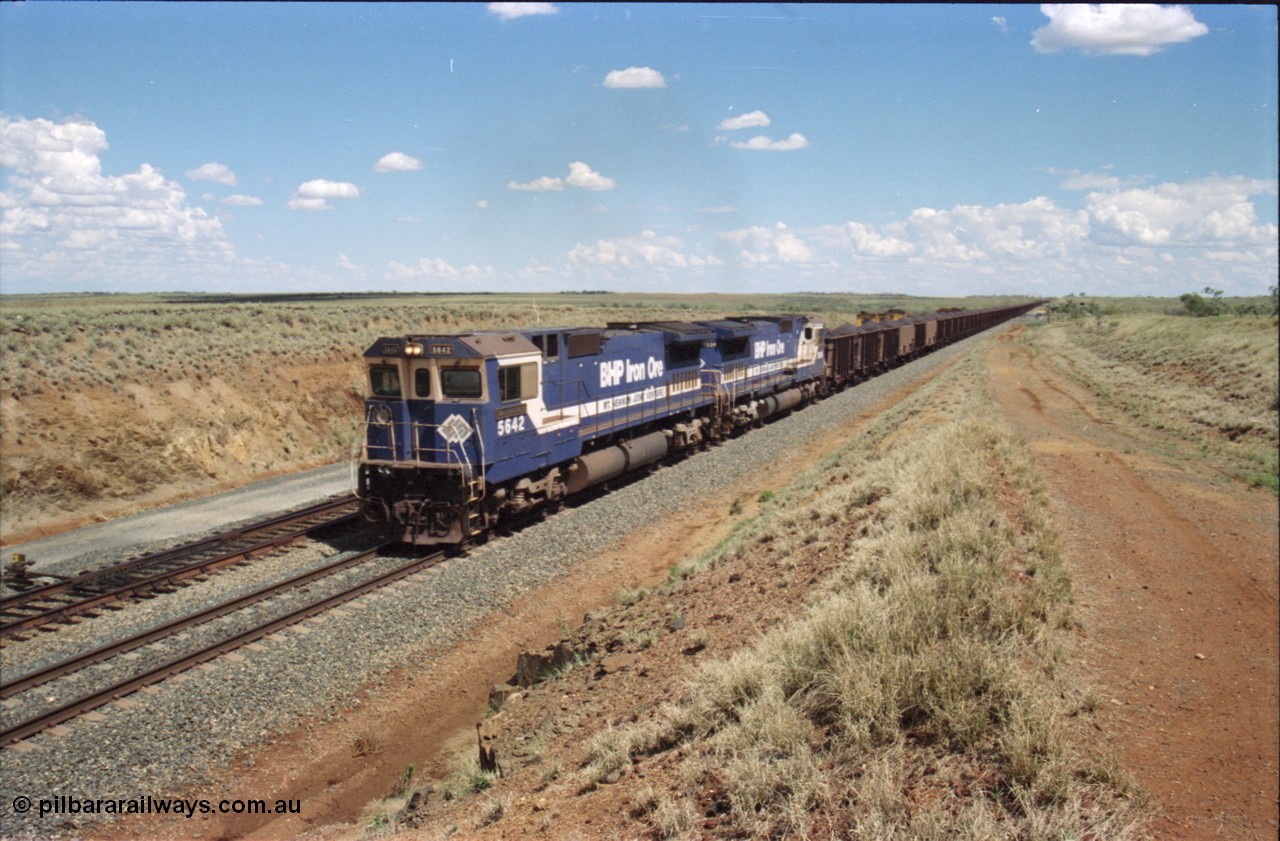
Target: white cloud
x=866, y=242
x=1158, y=241
x=242, y=201
x=63, y=151
x=510, y=11
x=538, y=185
x=322, y=189
x=1075, y=179
x=344, y=263
x=397, y=162
x=63, y=217
x=635, y=77
x=297, y=203
x=1211, y=212
x=580, y=175
x=752, y=119
x=1086, y=181
x=1034, y=229
x=1115, y=29
x=483, y=204
x=583, y=177
x=1000, y=24
x=763, y=143
x=435, y=268
x=314, y=195
x=648, y=250
x=215, y=172
x=759, y=246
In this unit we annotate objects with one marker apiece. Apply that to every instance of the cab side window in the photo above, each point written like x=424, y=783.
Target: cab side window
x=733, y=348
x=518, y=382
x=384, y=380
x=549, y=344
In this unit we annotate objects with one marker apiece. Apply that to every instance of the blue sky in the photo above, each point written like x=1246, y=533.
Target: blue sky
x=936, y=150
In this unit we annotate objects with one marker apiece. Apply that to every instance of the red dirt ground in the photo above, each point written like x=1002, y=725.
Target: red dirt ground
x=1175, y=573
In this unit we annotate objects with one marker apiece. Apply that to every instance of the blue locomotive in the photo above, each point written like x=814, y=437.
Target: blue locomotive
x=463, y=431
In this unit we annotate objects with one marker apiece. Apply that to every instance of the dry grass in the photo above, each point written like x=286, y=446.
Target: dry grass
x=1212, y=382
x=920, y=694
x=66, y=339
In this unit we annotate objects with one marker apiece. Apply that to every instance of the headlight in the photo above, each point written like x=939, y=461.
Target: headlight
x=413, y=349
x=380, y=414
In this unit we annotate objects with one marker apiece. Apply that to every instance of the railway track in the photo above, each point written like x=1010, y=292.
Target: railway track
x=180, y=663
x=160, y=572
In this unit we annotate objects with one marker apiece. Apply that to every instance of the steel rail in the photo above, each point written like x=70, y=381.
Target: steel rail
x=28, y=599
x=74, y=708
x=103, y=652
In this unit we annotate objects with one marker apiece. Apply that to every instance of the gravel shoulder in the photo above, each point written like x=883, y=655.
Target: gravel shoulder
x=412, y=664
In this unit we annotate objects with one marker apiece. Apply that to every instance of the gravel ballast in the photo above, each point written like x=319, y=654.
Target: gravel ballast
x=166, y=738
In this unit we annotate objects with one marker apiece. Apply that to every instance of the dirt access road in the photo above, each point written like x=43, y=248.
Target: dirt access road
x=1175, y=575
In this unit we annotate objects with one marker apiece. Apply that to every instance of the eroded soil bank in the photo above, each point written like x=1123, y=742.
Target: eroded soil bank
x=98, y=452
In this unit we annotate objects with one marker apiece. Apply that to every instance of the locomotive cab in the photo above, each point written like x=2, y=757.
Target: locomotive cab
x=442, y=413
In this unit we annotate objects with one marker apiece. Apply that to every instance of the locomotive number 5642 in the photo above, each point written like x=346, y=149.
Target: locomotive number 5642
x=507, y=426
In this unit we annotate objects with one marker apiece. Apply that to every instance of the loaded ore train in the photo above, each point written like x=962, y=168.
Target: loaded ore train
x=464, y=431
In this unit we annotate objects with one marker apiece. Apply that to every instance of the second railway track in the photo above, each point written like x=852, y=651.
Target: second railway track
x=74, y=688
x=84, y=701
x=158, y=572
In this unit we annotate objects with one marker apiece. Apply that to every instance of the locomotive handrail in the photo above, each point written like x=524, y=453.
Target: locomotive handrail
x=562, y=406
x=451, y=458
x=724, y=394
x=476, y=485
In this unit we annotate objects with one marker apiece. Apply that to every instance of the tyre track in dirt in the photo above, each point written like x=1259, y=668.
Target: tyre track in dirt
x=1176, y=580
